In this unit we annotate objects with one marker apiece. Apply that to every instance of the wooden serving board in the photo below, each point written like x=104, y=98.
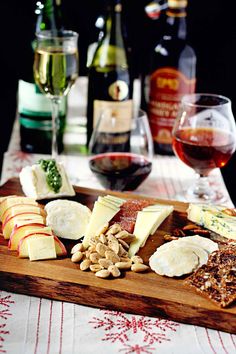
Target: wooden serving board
x=140, y=293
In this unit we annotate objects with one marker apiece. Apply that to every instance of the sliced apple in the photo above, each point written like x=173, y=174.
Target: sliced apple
x=11, y=222
x=22, y=208
x=21, y=231
x=14, y=200
x=23, y=251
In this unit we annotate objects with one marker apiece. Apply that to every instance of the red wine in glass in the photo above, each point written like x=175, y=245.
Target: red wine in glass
x=120, y=171
x=203, y=149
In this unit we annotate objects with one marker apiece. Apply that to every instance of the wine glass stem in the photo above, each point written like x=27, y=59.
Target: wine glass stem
x=55, y=125
x=202, y=186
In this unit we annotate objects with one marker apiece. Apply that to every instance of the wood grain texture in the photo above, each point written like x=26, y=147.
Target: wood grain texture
x=144, y=294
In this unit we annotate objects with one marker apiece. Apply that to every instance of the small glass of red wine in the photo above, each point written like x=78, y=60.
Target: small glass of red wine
x=121, y=158
x=204, y=138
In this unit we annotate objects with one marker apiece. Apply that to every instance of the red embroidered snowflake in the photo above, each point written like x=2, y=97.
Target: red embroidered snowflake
x=120, y=326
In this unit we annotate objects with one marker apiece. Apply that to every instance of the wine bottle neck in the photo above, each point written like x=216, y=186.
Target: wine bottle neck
x=176, y=18
x=49, y=15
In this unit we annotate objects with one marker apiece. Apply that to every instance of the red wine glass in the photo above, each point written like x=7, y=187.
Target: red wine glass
x=121, y=159
x=204, y=138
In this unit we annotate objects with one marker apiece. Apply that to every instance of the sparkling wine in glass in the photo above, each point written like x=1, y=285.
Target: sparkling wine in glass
x=204, y=138
x=55, y=70
x=121, y=160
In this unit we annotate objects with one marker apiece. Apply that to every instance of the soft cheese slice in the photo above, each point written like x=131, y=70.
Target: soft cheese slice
x=174, y=262
x=68, y=219
x=41, y=248
x=34, y=184
x=214, y=219
x=147, y=223
x=102, y=213
x=23, y=251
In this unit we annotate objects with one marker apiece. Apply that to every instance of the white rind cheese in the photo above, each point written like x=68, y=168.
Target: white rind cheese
x=68, y=219
x=34, y=184
x=213, y=218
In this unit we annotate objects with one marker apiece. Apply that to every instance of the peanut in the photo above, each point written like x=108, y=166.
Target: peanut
x=123, y=265
x=105, y=263
x=94, y=257
x=124, y=244
x=114, y=229
x=115, y=272
x=77, y=256
x=113, y=244
x=103, y=239
x=95, y=267
x=139, y=267
x=85, y=264
x=104, y=273
x=101, y=249
x=122, y=234
x=77, y=247
x=102, y=229
x=112, y=256
x=136, y=259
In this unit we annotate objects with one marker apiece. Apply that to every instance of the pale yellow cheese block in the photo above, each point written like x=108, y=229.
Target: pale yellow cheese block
x=41, y=248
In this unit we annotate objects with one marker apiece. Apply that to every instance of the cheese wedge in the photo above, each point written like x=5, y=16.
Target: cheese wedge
x=23, y=251
x=68, y=219
x=147, y=223
x=34, y=183
x=102, y=213
x=41, y=248
x=213, y=218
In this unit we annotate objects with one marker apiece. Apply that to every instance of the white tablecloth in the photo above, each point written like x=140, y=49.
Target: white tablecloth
x=30, y=325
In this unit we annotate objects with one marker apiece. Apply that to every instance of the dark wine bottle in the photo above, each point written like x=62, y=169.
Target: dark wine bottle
x=110, y=84
x=33, y=107
x=172, y=74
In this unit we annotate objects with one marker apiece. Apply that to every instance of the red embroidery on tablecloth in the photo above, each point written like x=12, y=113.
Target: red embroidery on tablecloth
x=5, y=303
x=136, y=349
x=21, y=156
x=119, y=326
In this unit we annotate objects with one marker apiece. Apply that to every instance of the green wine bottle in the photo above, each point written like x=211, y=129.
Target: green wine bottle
x=34, y=108
x=110, y=84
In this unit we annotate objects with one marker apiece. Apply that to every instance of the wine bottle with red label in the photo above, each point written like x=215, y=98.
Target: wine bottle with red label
x=110, y=84
x=172, y=74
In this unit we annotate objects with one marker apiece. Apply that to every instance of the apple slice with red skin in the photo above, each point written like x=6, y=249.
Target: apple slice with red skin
x=11, y=222
x=22, y=208
x=13, y=200
x=20, y=231
x=22, y=248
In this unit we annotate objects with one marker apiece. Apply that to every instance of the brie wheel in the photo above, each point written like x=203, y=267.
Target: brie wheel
x=68, y=219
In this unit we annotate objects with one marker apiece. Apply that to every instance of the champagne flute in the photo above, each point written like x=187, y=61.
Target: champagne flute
x=121, y=160
x=55, y=70
x=204, y=138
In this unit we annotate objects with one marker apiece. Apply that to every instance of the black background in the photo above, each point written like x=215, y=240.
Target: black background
x=211, y=32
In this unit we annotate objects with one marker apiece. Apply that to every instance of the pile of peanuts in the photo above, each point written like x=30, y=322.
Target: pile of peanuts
x=107, y=254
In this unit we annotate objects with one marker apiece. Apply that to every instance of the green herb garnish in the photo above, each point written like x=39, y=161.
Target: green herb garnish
x=53, y=176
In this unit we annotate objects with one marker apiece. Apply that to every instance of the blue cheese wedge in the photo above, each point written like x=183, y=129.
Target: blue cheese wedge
x=213, y=218
x=35, y=182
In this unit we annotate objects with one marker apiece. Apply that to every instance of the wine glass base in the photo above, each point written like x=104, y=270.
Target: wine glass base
x=212, y=197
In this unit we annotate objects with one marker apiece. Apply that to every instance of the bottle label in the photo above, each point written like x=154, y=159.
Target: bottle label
x=120, y=111
x=167, y=87
x=32, y=103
